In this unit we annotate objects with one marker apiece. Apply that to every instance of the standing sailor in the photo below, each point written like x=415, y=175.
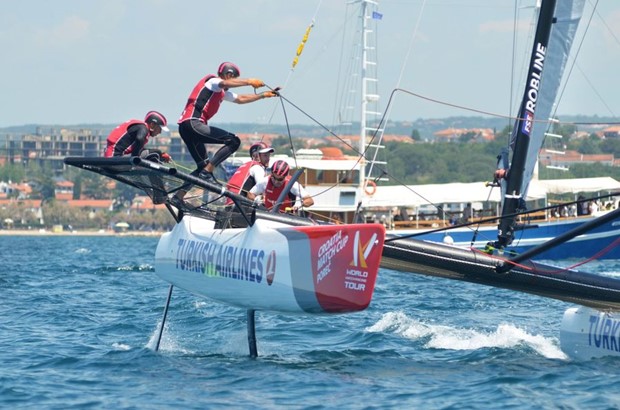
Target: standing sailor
x=203, y=103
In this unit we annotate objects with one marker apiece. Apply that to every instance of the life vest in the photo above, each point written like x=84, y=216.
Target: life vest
x=237, y=182
x=121, y=142
x=202, y=103
x=272, y=193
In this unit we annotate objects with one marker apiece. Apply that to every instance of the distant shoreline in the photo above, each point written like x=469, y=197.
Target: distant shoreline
x=36, y=232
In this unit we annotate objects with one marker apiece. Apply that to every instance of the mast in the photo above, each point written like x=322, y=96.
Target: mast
x=360, y=93
x=364, y=56
x=520, y=139
x=369, y=115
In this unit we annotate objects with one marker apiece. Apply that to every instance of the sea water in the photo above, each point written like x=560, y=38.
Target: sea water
x=79, y=319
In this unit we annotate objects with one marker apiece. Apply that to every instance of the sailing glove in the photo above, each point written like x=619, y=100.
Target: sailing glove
x=255, y=82
x=269, y=94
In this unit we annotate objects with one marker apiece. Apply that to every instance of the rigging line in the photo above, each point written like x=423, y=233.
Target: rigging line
x=288, y=130
x=515, y=39
x=360, y=154
x=570, y=71
x=319, y=124
x=595, y=92
x=514, y=264
x=557, y=271
x=338, y=101
x=477, y=229
x=179, y=165
x=495, y=218
x=282, y=99
x=514, y=58
x=593, y=257
x=383, y=170
x=492, y=114
x=609, y=30
x=300, y=49
x=381, y=122
x=410, y=48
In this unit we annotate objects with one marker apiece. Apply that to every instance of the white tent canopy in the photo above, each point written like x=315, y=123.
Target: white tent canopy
x=577, y=185
x=417, y=195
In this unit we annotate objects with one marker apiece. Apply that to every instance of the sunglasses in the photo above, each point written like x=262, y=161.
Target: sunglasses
x=277, y=179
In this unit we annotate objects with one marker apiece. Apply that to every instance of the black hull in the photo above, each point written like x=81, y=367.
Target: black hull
x=444, y=261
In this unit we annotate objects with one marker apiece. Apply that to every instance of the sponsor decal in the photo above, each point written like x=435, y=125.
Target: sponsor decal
x=344, y=260
x=271, y=267
x=346, y=264
x=360, y=252
x=604, y=333
x=533, y=85
x=223, y=261
x=528, y=123
x=357, y=275
x=327, y=251
x=352, y=274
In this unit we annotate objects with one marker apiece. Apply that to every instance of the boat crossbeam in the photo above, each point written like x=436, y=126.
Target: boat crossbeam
x=560, y=239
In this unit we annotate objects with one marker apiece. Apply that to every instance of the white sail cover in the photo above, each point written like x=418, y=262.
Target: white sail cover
x=567, y=14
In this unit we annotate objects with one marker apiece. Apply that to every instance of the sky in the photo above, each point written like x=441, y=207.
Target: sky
x=81, y=62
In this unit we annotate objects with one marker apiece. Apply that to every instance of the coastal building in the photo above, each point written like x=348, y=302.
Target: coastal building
x=49, y=147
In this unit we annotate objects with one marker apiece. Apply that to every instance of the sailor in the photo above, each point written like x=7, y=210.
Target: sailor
x=130, y=137
x=272, y=186
x=583, y=208
x=203, y=103
x=252, y=171
x=467, y=213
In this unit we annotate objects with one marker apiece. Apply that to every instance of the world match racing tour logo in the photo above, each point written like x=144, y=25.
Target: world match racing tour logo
x=356, y=274
x=532, y=89
x=223, y=261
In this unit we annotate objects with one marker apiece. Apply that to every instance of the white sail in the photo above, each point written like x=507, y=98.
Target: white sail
x=567, y=16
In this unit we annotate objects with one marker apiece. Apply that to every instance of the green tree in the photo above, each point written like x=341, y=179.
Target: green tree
x=467, y=137
x=611, y=146
x=565, y=130
x=587, y=145
x=12, y=172
x=415, y=135
x=56, y=213
x=94, y=186
x=77, y=187
x=124, y=194
x=43, y=184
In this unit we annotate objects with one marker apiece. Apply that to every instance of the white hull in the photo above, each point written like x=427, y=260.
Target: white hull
x=589, y=333
x=309, y=269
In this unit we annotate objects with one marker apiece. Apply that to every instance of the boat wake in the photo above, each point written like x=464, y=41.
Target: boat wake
x=505, y=336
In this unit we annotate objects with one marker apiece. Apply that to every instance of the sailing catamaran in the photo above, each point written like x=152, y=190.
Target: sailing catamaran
x=587, y=331
x=186, y=256
x=247, y=257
